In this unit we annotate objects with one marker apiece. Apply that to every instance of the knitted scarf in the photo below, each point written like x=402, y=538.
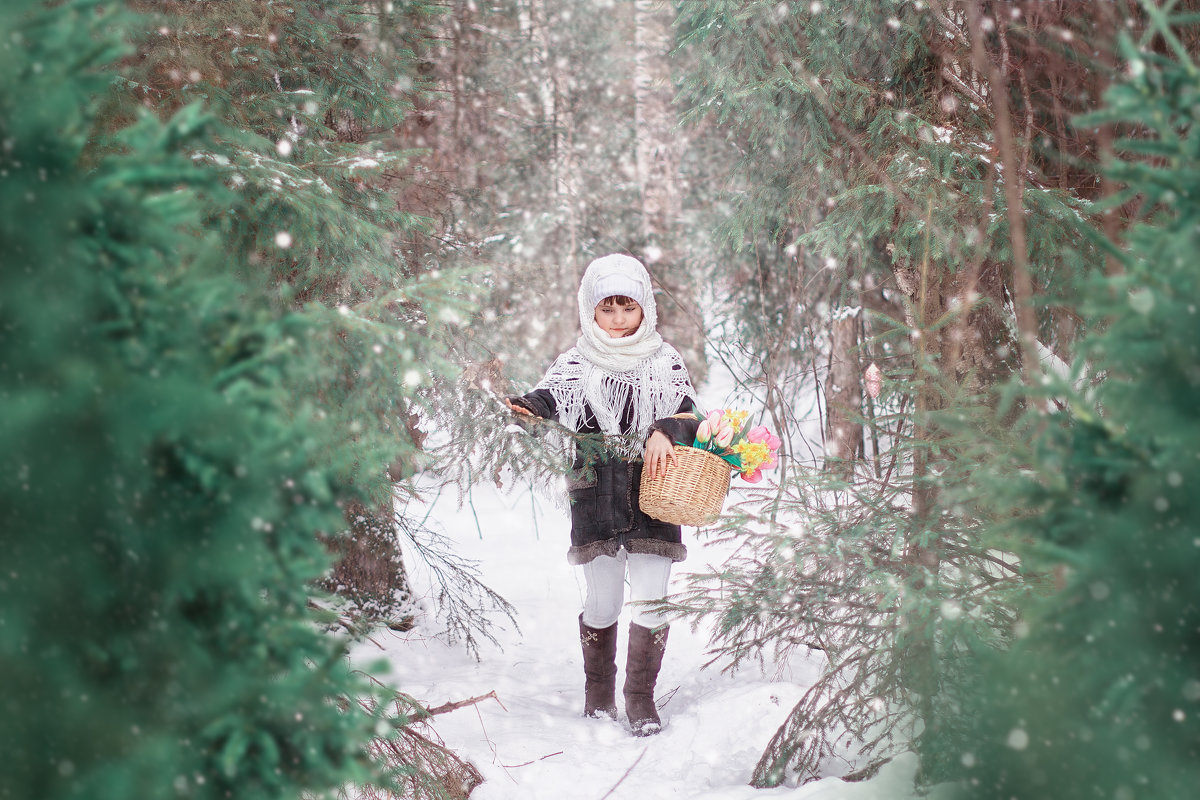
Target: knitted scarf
x=606, y=375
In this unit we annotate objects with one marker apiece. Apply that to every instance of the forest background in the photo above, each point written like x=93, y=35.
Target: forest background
x=263, y=262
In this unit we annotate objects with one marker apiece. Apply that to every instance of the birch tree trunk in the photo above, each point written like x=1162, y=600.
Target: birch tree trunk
x=551, y=104
x=659, y=149
x=555, y=105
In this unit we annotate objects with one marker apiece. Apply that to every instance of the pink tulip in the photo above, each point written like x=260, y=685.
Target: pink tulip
x=724, y=435
x=773, y=441
x=753, y=477
x=704, y=432
x=758, y=434
x=771, y=461
x=714, y=418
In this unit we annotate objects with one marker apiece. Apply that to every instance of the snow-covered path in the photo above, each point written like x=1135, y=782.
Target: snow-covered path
x=537, y=744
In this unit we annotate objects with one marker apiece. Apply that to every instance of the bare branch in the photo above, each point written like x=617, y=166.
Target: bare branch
x=445, y=708
x=626, y=775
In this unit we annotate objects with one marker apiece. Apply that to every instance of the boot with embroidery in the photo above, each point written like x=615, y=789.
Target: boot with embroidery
x=599, y=670
x=646, y=648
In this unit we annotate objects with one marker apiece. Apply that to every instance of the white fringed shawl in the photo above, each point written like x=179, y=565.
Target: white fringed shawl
x=640, y=372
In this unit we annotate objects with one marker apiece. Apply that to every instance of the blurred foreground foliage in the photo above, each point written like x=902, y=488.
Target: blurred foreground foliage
x=1099, y=692
x=1016, y=509
x=207, y=353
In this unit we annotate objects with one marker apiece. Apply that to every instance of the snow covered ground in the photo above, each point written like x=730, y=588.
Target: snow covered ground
x=534, y=743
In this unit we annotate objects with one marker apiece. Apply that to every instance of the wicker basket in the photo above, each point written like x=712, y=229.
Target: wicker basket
x=691, y=492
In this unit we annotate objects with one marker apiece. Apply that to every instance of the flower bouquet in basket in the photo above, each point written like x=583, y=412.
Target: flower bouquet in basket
x=693, y=490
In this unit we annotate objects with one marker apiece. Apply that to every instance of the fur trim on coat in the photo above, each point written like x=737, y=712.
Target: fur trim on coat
x=609, y=547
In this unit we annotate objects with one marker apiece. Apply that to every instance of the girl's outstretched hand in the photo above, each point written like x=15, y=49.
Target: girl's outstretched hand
x=517, y=409
x=660, y=454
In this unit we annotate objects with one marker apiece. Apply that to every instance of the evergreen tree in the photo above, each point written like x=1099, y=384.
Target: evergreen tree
x=173, y=436
x=307, y=96
x=312, y=100
x=877, y=175
x=1098, y=694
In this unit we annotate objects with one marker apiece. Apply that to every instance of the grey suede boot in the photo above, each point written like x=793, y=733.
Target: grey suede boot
x=646, y=648
x=599, y=670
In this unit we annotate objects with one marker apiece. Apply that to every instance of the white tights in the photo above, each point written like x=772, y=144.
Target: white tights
x=649, y=576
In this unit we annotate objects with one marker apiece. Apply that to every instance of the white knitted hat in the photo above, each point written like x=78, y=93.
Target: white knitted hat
x=617, y=284
x=613, y=275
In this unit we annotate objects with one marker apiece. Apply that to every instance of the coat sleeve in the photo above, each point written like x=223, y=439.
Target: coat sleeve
x=539, y=402
x=680, y=430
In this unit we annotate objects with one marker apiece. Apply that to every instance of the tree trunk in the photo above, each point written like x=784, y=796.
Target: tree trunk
x=843, y=397
x=554, y=95
x=659, y=150
x=369, y=571
x=924, y=286
x=1014, y=182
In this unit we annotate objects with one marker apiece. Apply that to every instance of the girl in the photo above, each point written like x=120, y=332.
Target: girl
x=619, y=378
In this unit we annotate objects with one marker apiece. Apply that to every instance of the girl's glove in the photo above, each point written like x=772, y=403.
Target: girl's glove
x=508, y=401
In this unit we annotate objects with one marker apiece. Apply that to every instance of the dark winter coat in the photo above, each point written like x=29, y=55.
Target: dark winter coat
x=605, y=514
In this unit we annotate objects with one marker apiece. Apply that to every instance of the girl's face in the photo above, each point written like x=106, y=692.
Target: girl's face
x=618, y=320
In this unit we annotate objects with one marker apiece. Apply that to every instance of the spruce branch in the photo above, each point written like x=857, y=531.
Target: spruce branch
x=461, y=598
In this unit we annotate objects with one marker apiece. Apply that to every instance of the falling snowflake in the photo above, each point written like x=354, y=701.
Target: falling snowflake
x=1018, y=739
